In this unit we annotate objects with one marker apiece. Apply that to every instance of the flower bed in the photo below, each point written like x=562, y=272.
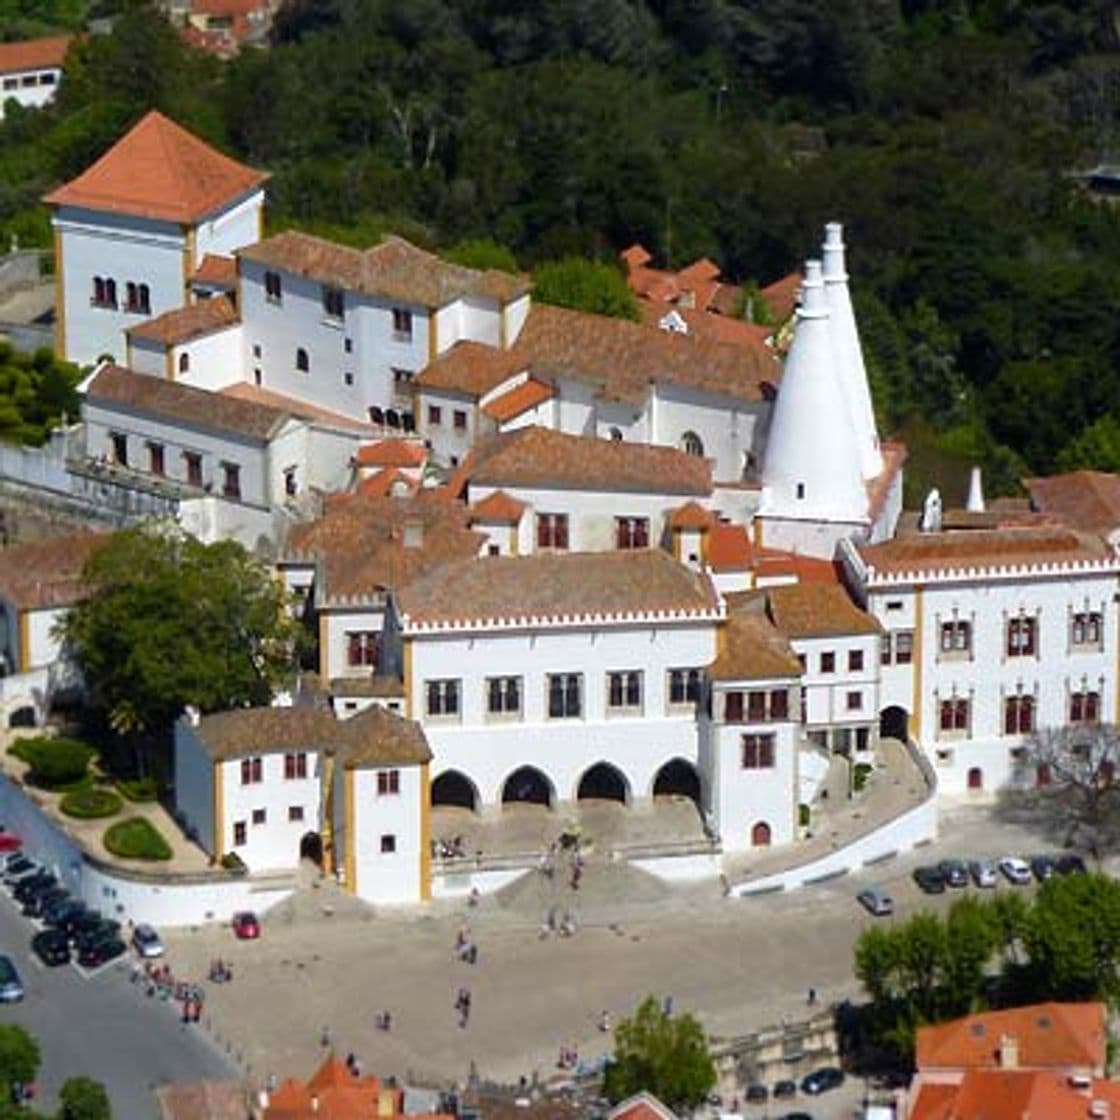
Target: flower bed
x=136, y=838
x=87, y=804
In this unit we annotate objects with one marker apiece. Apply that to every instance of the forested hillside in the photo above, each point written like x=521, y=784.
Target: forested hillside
x=941, y=133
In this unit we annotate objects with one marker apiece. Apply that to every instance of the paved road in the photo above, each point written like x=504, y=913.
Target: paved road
x=102, y=1027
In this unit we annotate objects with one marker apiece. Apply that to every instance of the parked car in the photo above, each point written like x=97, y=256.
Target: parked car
x=821, y=1080
x=18, y=869
x=92, y=924
x=1044, y=867
x=51, y=947
x=783, y=1090
x=41, y=881
x=1071, y=865
x=93, y=954
x=10, y=842
x=11, y=987
x=146, y=941
x=954, y=872
x=930, y=880
x=757, y=1093
x=246, y=926
x=37, y=903
x=1015, y=870
x=983, y=872
x=876, y=901
x=62, y=913
x=796, y=1116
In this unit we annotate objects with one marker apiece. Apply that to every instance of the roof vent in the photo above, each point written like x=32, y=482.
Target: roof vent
x=1043, y=1022
x=978, y=1029
x=1099, y=1110
x=1080, y=1081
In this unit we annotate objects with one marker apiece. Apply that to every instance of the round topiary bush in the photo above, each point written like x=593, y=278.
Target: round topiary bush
x=90, y=803
x=136, y=838
x=54, y=762
x=139, y=789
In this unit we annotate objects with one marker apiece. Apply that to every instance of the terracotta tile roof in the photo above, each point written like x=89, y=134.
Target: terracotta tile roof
x=729, y=548
x=782, y=295
x=267, y=398
x=371, y=737
x=641, y=1106
x=519, y=399
x=636, y=256
x=392, y=453
x=203, y=1100
x=707, y=324
x=333, y=1093
x=184, y=323
x=751, y=648
x=389, y=481
x=177, y=403
x=159, y=170
x=34, y=54
x=359, y=543
x=622, y=358
x=583, y=585
x=879, y=488
x=702, y=271
x=935, y=1102
x=817, y=610
x=392, y=269
x=498, y=506
x=965, y=550
x=220, y=42
x=691, y=515
x=469, y=367
x=379, y=685
x=38, y=575
x=542, y=457
x=775, y=564
x=216, y=271
x=1048, y=1035
x=1013, y=1095
x=726, y=302
x=513, y=1106
x=1087, y=500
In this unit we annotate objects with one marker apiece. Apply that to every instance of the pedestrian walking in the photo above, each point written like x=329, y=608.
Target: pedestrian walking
x=812, y=997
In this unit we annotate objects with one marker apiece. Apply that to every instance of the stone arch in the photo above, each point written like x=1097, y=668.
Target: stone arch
x=692, y=444
x=528, y=784
x=894, y=723
x=454, y=788
x=603, y=782
x=760, y=834
x=678, y=778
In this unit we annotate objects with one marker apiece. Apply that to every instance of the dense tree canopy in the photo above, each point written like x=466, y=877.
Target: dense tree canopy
x=942, y=133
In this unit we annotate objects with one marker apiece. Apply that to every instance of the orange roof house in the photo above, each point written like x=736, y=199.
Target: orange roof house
x=34, y=54
x=159, y=170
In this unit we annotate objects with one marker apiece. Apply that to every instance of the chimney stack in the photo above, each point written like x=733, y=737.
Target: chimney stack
x=1008, y=1052
x=975, y=503
x=413, y=534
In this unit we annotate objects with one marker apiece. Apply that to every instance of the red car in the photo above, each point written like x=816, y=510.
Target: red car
x=245, y=925
x=10, y=842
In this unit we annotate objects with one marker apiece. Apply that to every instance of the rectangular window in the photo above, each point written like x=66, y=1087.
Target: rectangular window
x=460, y=420
x=733, y=707
x=435, y=415
x=334, y=303
x=252, y=770
x=295, y=812
x=361, y=648
x=240, y=834
x=11, y=83
x=120, y=449
x=1018, y=715
x=885, y=650
x=295, y=765
x=402, y=324
x=388, y=782
x=29, y=80
x=684, y=686
x=388, y=844
x=259, y=816
x=1087, y=630
x=443, y=697
x=956, y=638
x=631, y=532
x=855, y=661
x=904, y=647
x=758, y=752
x=855, y=701
x=954, y=715
x=402, y=379
x=828, y=662
x=503, y=695
x=565, y=695
x=756, y=706
x=47, y=79
x=194, y=468
x=1084, y=707
x=272, y=289
x=624, y=691
x=155, y=459
x=231, y=481
x=552, y=530
x=1021, y=635
x=779, y=703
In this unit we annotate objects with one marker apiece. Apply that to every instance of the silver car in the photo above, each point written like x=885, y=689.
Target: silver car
x=146, y=941
x=11, y=987
x=983, y=872
x=1015, y=870
x=876, y=901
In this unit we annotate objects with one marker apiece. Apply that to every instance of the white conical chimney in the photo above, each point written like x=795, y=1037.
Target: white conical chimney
x=811, y=469
x=975, y=503
x=845, y=337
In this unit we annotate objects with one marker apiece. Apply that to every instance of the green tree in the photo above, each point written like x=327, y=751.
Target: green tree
x=585, y=286
x=170, y=621
x=1096, y=447
x=663, y=1054
x=82, y=1098
x=877, y=964
x=972, y=938
x=484, y=253
x=19, y=1058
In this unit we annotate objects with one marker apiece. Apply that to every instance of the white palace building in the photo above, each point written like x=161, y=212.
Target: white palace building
x=548, y=555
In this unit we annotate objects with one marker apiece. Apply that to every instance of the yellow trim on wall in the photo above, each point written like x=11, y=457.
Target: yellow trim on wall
x=503, y=329
x=24, y=627
x=406, y=673
x=169, y=362
x=219, y=795
x=425, y=833
x=190, y=245
x=918, y=654
x=756, y=530
x=433, y=334
x=59, y=298
x=351, y=828
x=515, y=539
x=324, y=635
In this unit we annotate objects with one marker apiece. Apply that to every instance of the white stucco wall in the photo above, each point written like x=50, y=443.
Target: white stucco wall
x=477, y=320
x=447, y=443
x=43, y=646
x=516, y=312
x=215, y=359
x=334, y=625
x=387, y=876
x=826, y=694
x=234, y=226
x=13, y=87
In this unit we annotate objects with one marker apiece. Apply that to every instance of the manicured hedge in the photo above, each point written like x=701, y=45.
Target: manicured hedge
x=54, y=762
x=136, y=838
x=90, y=803
x=139, y=789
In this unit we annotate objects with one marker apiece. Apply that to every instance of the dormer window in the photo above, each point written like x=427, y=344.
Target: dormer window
x=402, y=324
x=272, y=289
x=334, y=303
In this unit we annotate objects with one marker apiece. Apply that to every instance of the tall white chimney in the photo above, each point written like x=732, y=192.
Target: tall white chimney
x=975, y=503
